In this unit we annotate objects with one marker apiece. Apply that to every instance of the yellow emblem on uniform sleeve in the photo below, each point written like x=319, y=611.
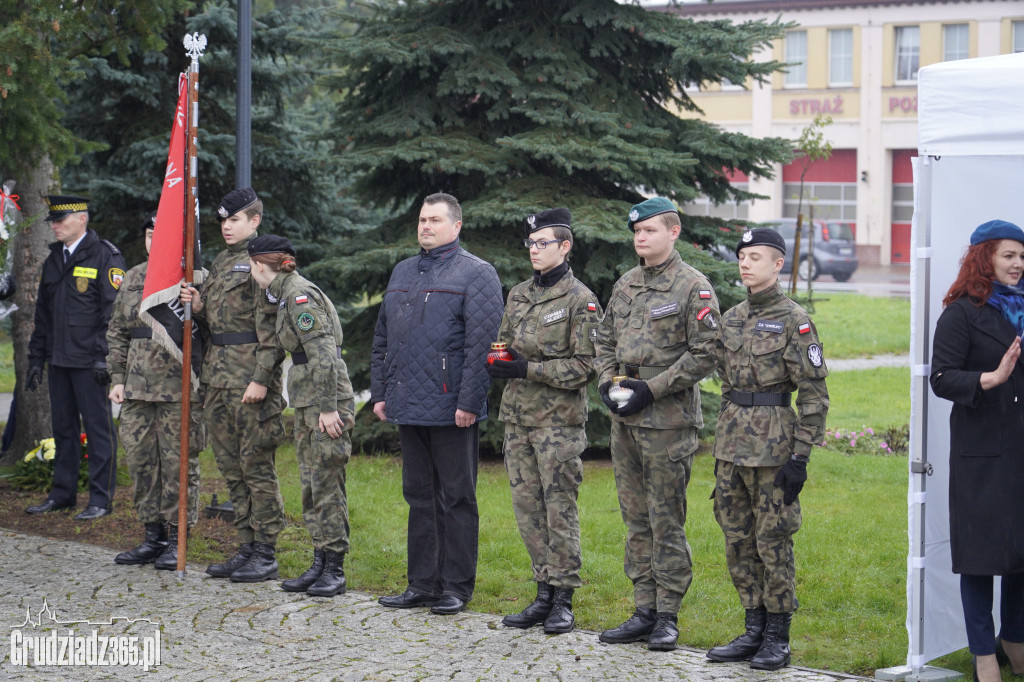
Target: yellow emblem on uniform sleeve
x=116, y=276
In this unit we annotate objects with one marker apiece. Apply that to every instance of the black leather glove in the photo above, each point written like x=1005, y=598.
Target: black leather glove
x=34, y=377
x=613, y=406
x=791, y=478
x=641, y=398
x=100, y=373
x=508, y=369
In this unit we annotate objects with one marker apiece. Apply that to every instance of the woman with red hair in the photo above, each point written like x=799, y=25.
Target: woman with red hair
x=976, y=364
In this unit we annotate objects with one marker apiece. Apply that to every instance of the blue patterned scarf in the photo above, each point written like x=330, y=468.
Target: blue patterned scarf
x=1010, y=301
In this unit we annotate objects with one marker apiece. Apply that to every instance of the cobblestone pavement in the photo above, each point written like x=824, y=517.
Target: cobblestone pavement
x=218, y=630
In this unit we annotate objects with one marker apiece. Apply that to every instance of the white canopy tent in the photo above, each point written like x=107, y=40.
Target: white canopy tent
x=970, y=169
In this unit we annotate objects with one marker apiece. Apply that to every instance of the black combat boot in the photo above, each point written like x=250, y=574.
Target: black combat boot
x=262, y=565
x=225, y=569
x=637, y=628
x=774, y=651
x=560, y=619
x=302, y=583
x=746, y=645
x=332, y=579
x=154, y=543
x=168, y=559
x=535, y=613
x=665, y=634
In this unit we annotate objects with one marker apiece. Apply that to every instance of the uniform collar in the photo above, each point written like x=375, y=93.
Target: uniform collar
x=552, y=276
x=656, y=275
x=279, y=284
x=244, y=244
x=767, y=297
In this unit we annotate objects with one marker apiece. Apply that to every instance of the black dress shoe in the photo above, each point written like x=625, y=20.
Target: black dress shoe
x=447, y=605
x=49, y=506
x=407, y=600
x=91, y=512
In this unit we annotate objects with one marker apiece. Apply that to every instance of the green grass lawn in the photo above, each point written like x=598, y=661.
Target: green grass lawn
x=851, y=325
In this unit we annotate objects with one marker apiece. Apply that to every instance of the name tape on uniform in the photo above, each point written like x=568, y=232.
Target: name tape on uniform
x=769, y=326
x=557, y=315
x=665, y=310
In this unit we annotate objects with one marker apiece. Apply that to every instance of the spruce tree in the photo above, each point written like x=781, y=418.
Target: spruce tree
x=515, y=107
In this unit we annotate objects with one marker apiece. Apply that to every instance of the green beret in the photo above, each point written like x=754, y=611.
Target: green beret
x=649, y=209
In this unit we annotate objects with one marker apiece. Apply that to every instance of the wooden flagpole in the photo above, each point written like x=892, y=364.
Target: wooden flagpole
x=194, y=46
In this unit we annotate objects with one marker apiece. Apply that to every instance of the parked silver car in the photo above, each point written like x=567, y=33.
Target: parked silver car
x=835, y=252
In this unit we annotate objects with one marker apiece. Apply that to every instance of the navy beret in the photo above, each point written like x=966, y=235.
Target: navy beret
x=649, y=209
x=149, y=223
x=761, y=236
x=61, y=205
x=553, y=217
x=996, y=229
x=269, y=243
x=236, y=200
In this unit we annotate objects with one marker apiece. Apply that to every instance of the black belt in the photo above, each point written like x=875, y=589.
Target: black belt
x=300, y=358
x=234, y=339
x=758, y=399
x=643, y=372
x=141, y=333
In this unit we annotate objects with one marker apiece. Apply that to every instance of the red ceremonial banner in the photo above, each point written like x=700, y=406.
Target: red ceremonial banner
x=160, y=308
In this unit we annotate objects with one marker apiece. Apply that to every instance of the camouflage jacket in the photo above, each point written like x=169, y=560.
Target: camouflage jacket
x=770, y=345
x=553, y=328
x=233, y=303
x=307, y=322
x=666, y=318
x=146, y=368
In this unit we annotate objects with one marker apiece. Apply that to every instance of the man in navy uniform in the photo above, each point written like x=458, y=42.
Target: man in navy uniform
x=79, y=282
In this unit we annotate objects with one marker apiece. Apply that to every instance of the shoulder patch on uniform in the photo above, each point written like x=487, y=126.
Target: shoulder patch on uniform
x=116, y=276
x=302, y=299
x=702, y=313
x=270, y=297
x=704, y=293
x=664, y=310
x=113, y=249
x=281, y=304
x=770, y=326
x=592, y=307
x=815, y=355
x=804, y=328
x=305, y=321
x=241, y=267
x=555, y=316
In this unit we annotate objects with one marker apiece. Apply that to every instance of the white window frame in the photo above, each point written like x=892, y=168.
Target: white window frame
x=840, y=52
x=796, y=76
x=960, y=46
x=907, y=54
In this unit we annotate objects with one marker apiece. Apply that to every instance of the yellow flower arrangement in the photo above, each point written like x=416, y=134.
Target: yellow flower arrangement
x=44, y=452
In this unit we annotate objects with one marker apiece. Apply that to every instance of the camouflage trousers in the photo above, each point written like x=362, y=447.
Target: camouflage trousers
x=151, y=434
x=652, y=470
x=244, y=446
x=322, y=462
x=545, y=472
x=758, y=530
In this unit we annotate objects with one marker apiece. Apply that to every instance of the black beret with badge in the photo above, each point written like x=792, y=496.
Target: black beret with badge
x=61, y=205
x=761, y=236
x=269, y=243
x=236, y=200
x=149, y=223
x=553, y=217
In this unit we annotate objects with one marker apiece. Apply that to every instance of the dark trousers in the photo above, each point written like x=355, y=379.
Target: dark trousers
x=74, y=392
x=976, y=597
x=439, y=467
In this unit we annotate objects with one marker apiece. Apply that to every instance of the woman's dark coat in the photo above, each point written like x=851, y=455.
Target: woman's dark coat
x=986, y=439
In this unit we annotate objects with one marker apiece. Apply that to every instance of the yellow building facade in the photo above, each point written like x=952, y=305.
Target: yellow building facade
x=857, y=62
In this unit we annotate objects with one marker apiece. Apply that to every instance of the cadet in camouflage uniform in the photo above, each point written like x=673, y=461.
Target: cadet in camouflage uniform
x=321, y=394
x=659, y=329
x=768, y=349
x=146, y=381
x=548, y=324
x=242, y=379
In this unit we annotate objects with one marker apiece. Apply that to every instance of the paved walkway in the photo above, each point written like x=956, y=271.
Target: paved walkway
x=218, y=630
x=868, y=363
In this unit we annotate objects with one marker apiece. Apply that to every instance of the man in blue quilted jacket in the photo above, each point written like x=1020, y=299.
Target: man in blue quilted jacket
x=440, y=313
